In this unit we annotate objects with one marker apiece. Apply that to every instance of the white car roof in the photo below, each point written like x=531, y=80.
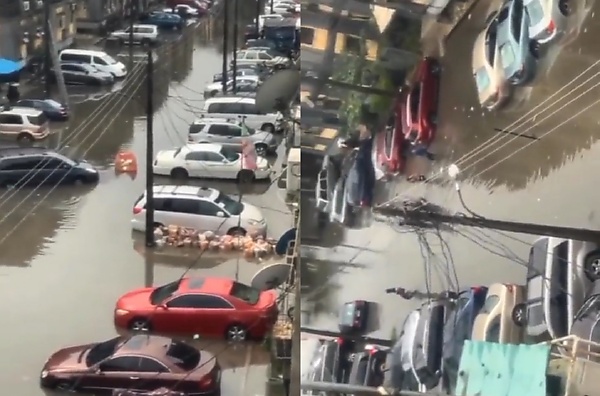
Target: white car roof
x=185, y=191
x=211, y=121
x=236, y=99
x=204, y=147
x=22, y=111
x=83, y=52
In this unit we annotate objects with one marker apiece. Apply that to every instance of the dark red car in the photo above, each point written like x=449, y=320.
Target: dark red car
x=389, y=146
x=212, y=307
x=421, y=103
x=141, y=362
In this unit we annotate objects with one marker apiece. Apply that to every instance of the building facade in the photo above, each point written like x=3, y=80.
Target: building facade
x=102, y=16
x=22, y=27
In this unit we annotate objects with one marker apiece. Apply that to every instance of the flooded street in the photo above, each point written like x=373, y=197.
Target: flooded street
x=68, y=254
x=546, y=178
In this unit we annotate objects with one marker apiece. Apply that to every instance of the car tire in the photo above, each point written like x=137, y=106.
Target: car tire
x=145, y=42
x=236, y=231
x=245, y=176
x=591, y=266
x=236, y=332
x=261, y=149
x=519, y=315
x=25, y=137
x=564, y=7
x=140, y=324
x=534, y=49
x=64, y=386
x=179, y=173
x=268, y=127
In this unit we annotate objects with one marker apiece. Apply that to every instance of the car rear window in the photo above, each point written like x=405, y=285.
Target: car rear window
x=38, y=119
x=196, y=128
x=184, y=356
x=490, y=303
x=245, y=293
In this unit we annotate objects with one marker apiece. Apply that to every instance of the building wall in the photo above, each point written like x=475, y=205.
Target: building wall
x=315, y=38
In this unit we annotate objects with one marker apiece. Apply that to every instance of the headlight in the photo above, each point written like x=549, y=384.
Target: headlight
x=44, y=374
x=121, y=312
x=91, y=170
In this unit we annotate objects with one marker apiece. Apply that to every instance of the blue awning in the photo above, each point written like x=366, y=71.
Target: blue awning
x=8, y=66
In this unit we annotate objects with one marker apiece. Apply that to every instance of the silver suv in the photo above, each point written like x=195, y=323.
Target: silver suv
x=230, y=133
x=142, y=34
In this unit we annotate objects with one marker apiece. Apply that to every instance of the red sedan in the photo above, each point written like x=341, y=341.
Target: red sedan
x=389, y=146
x=212, y=307
x=422, y=102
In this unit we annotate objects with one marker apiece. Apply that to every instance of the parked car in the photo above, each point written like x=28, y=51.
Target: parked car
x=214, y=307
x=98, y=59
x=164, y=20
x=261, y=43
x=197, y=4
x=493, y=88
x=242, y=70
x=517, y=51
x=368, y=366
x=354, y=317
x=23, y=124
x=331, y=361
x=400, y=372
x=142, y=34
x=360, y=184
x=185, y=11
x=327, y=179
x=243, y=84
x=389, y=146
x=53, y=110
x=265, y=16
x=35, y=166
x=547, y=18
x=422, y=103
x=208, y=160
x=231, y=133
x=243, y=109
x=140, y=362
x=201, y=209
x=587, y=320
x=82, y=74
x=458, y=329
x=256, y=57
x=503, y=315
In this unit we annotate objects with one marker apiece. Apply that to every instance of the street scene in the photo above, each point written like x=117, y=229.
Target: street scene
x=469, y=138
x=80, y=200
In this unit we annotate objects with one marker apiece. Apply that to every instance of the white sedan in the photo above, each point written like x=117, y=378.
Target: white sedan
x=210, y=161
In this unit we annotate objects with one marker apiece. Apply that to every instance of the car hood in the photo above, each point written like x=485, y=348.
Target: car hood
x=136, y=299
x=251, y=212
x=68, y=359
x=262, y=136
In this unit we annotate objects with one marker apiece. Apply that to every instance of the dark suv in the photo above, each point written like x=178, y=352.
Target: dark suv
x=38, y=166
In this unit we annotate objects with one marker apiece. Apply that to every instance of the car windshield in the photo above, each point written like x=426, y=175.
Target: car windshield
x=229, y=154
x=490, y=303
x=244, y=292
x=232, y=206
x=38, y=119
x=507, y=54
x=110, y=60
x=347, y=314
x=535, y=12
x=183, y=356
x=161, y=293
x=482, y=79
x=101, y=351
x=196, y=128
x=52, y=103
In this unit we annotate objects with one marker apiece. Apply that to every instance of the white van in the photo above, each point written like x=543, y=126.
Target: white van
x=243, y=108
x=100, y=60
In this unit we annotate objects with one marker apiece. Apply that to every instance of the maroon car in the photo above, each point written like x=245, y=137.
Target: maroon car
x=141, y=362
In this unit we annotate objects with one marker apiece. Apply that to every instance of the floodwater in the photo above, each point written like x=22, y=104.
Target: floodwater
x=549, y=179
x=67, y=254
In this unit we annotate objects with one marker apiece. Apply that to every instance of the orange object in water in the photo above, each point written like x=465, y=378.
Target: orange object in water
x=126, y=162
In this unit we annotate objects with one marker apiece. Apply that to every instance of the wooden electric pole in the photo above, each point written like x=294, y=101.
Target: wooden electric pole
x=149, y=236
x=235, y=43
x=47, y=49
x=225, y=78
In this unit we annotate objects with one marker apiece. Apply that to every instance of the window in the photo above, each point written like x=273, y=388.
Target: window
x=195, y=156
x=229, y=154
x=202, y=301
x=490, y=304
x=219, y=130
x=307, y=35
x=163, y=292
x=184, y=356
x=232, y=206
x=208, y=208
x=76, y=58
x=53, y=163
x=264, y=56
x=233, y=108
x=148, y=365
x=233, y=130
x=212, y=157
x=38, y=119
x=352, y=44
x=123, y=363
x=99, y=61
x=12, y=119
x=251, y=55
x=215, y=108
x=249, y=108
x=185, y=206
x=163, y=204
x=196, y=128
x=101, y=351
x=246, y=293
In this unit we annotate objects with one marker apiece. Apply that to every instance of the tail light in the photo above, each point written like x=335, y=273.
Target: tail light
x=476, y=289
x=551, y=27
x=340, y=341
x=371, y=349
x=206, y=382
x=137, y=210
x=190, y=140
x=510, y=288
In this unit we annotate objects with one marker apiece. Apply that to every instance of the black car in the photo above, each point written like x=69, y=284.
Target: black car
x=354, y=317
x=82, y=74
x=36, y=166
x=368, y=367
x=331, y=361
x=53, y=110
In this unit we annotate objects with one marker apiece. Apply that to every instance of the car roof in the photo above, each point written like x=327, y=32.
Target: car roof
x=216, y=120
x=210, y=147
x=22, y=111
x=146, y=25
x=155, y=346
x=185, y=191
x=281, y=22
x=83, y=52
x=22, y=151
x=230, y=99
x=214, y=285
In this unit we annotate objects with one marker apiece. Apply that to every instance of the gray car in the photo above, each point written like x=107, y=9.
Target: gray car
x=79, y=73
x=517, y=51
x=230, y=133
x=586, y=324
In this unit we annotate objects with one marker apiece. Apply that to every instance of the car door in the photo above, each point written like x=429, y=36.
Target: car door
x=234, y=135
x=10, y=124
x=218, y=133
x=56, y=171
x=153, y=374
x=217, y=166
x=118, y=372
x=31, y=172
x=195, y=164
x=186, y=214
x=182, y=315
x=251, y=57
x=214, y=217
x=100, y=64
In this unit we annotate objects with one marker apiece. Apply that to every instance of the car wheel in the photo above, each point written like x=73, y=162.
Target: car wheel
x=245, y=176
x=290, y=313
x=236, y=231
x=534, y=49
x=25, y=137
x=519, y=315
x=261, y=149
x=64, y=386
x=592, y=266
x=236, y=333
x=268, y=127
x=140, y=324
x=179, y=173
x=564, y=7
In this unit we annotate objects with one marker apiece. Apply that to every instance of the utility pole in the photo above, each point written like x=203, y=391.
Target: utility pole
x=421, y=217
x=235, y=43
x=294, y=375
x=150, y=241
x=271, y=2
x=47, y=46
x=258, y=14
x=225, y=78
x=131, y=22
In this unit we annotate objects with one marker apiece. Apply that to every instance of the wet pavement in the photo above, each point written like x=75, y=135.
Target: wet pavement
x=549, y=179
x=68, y=253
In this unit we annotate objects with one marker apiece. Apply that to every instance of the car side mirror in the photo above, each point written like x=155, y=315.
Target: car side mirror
x=220, y=214
x=224, y=160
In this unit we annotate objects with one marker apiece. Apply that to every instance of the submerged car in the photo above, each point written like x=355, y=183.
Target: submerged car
x=517, y=51
x=458, y=329
x=368, y=366
x=330, y=361
x=503, y=315
x=164, y=20
x=422, y=103
x=492, y=87
x=140, y=362
x=547, y=18
x=53, y=110
x=586, y=324
x=388, y=149
x=399, y=373
x=354, y=317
